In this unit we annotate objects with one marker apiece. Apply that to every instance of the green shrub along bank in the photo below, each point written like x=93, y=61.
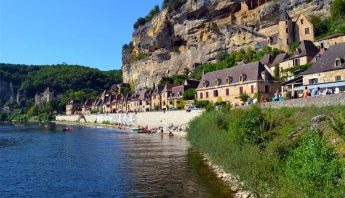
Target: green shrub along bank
x=275, y=152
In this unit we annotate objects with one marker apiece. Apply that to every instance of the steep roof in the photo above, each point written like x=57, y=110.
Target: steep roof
x=332, y=36
x=250, y=72
x=267, y=60
x=284, y=16
x=280, y=58
x=167, y=88
x=305, y=48
x=327, y=61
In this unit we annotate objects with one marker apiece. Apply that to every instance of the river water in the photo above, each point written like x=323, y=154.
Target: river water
x=96, y=162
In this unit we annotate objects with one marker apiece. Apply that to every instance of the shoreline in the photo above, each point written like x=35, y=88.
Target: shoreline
x=230, y=180
x=112, y=126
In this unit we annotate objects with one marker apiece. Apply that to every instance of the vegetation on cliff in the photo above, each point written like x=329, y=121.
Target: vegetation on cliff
x=333, y=24
x=276, y=152
x=229, y=60
x=71, y=81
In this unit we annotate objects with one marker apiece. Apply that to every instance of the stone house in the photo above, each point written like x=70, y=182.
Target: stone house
x=229, y=84
x=304, y=54
x=156, y=98
x=87, y=106
x=328, y=41
x=140, y=101
x=44, y=97
x=74, y=107
x=290, y=31
x=166, y=92
x=328, y=71
x=270, y=64
x=177, y=92
x=247, y=10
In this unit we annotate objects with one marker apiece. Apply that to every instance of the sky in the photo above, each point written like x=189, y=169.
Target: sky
x=83, y=32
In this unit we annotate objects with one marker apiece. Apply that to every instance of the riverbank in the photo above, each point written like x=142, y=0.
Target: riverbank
x=115, y=126
x=288, y=152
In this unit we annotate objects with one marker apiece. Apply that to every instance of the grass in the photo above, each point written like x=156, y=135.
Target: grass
x=255, y=145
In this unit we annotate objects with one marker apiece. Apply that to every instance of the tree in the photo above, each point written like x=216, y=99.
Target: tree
x=189, y=94
x=276, y=72
x=132, y=85
x=338, y=9
x=140, y=21
x=244, y=97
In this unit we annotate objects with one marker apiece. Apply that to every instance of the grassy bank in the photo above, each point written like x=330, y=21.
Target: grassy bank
x=275, y=151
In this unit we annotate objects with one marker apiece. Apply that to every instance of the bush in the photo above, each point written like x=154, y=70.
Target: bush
x=201, y=103
x=252, y=126
x=244, y=97
x=313, y=168
x=189, y=94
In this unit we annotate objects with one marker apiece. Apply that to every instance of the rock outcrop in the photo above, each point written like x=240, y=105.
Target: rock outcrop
x=199, y=31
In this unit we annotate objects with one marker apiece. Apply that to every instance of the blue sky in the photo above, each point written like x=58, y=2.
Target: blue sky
x=84, y=32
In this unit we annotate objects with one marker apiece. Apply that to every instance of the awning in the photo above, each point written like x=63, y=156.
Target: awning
x=324, y=85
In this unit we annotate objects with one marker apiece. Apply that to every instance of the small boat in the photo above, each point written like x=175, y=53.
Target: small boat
x=67, y=129
x=138, y=129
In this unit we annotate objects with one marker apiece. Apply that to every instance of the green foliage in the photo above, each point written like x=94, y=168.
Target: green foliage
x=230, y=60
x=175, y=80
x=140, y=57
x=338, y=9
x=333, y=24
x=337, y=122
x=296, y=70
x=201, y=103
x=244, y=97
x=3, y=116
x=181, y=104
x=142, y=21
x=293, y=47
x=252, y=126
x=313, y=168
x=255, y=145
x=132, y=85
x=189, y=94
x=128, y=48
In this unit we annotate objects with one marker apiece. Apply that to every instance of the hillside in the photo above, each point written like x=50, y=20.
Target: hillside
x=189, y=33
x=30, y=79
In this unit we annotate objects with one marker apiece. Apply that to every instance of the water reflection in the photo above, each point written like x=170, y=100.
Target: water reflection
x=44, y=161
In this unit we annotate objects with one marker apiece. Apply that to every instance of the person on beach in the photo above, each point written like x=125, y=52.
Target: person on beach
x=306, y=92
x=276, y=96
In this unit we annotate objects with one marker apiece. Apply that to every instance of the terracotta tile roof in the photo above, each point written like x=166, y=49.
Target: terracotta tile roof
x=250, y=72
x=327, y=61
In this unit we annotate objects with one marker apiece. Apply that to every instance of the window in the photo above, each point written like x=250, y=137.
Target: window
x=306, y=31
x=338, y=78
x=227, y=92
x=252, y=89
x=241, y=90
x=201, y=95
x=339, y=62
x=296, y=62
x=215, y=93
x=267, y=89
x=286, y=22
x=206, y=94
x=242, y=78
x=287, y=30
x=302, y=21
x=228, y=80
x=322, y=45
x=313, y=81
x=287, y=41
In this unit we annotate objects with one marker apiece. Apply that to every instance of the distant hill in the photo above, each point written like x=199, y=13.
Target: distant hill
x=30, y=79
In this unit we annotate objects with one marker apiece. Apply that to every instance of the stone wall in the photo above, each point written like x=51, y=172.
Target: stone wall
x=150, y=119
x=335, y=99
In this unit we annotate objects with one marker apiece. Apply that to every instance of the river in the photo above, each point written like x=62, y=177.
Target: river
x=96, y=162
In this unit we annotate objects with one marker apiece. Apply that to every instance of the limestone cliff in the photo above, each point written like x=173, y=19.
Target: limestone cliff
x=200, y=30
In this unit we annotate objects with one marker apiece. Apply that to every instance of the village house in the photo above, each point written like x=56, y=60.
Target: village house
x=328, y=41
x=44, y=97
x=140, y=101
x=74, y=107
x=176, y=96
x=271, y=63
x=156, y=98
x=247, y=10
x=328, y=71
x=293, y=31
x=166, y=92
x=229, y=84
x=87, y=107
x=304, y=54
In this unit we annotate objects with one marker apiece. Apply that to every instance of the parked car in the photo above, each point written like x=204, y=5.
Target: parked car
x=190, y=108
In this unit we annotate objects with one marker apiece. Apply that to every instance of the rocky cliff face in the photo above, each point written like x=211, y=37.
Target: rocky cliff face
x=202, y=29
x=5, y=90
